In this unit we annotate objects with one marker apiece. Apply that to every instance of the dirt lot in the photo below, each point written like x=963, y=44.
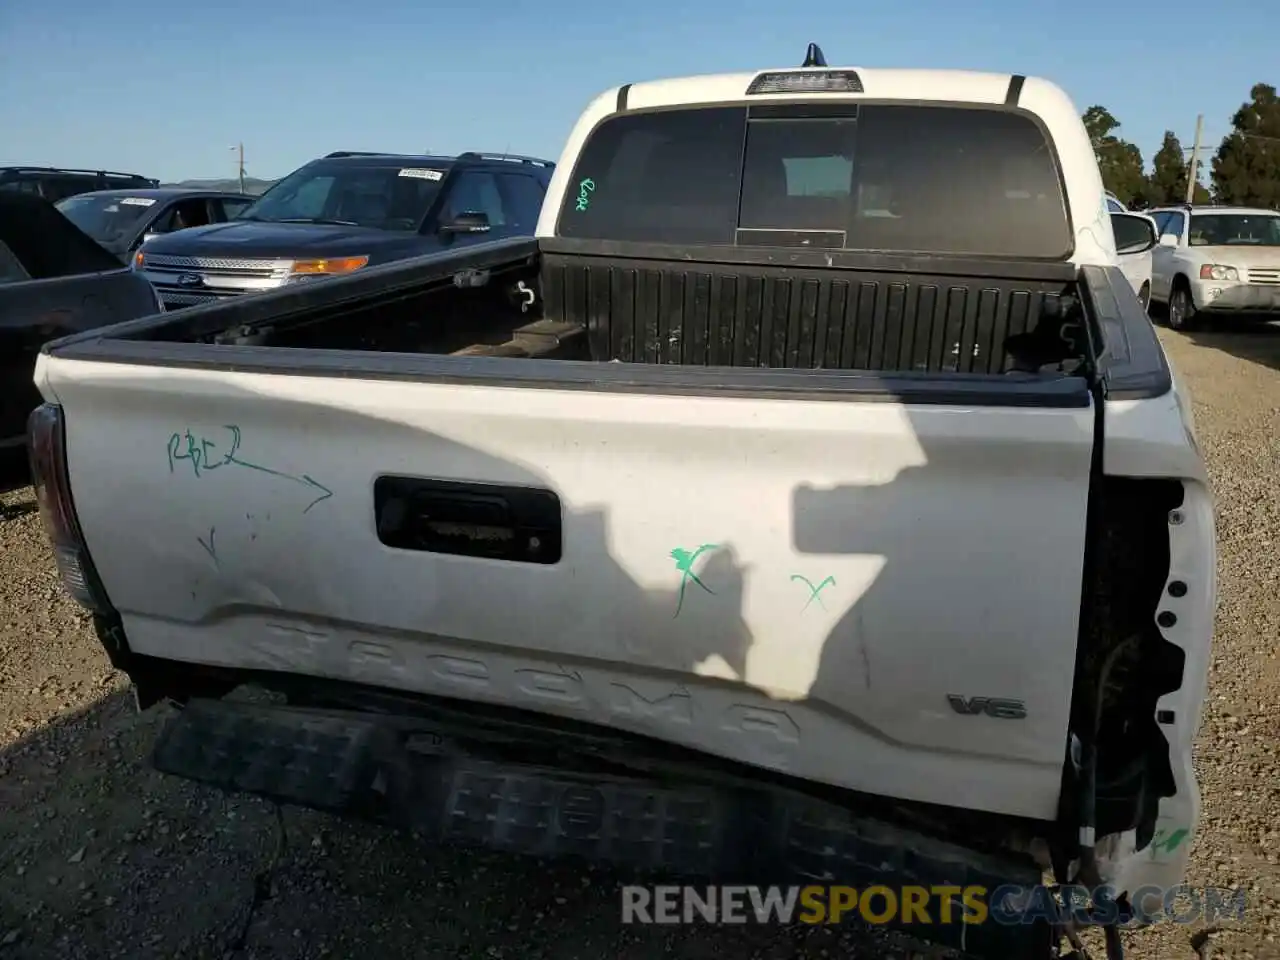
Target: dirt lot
x=101, y=857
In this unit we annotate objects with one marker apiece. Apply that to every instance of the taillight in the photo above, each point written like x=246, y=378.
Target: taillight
x=47, y=449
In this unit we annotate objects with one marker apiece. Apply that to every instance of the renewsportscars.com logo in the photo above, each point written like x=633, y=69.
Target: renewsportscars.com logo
x=936, y=905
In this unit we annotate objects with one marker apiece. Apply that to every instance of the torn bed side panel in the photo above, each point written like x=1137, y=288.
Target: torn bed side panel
x=1157, y=584
x=1184, y=618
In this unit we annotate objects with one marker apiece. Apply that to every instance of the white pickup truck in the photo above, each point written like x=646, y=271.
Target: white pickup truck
x=810, y=498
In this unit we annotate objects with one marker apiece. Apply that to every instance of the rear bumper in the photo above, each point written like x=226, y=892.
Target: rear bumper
x=391, y=769
x=378, y=756
x=383, y=756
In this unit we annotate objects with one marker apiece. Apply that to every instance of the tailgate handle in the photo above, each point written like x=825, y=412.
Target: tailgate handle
x=493, y=521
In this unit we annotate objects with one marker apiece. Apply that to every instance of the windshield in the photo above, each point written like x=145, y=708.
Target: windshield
x=105, y=218
x=1235, y=229
x=386, y=197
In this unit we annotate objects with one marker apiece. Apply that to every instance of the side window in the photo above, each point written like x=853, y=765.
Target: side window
x=1161, y=219
x=230, y=209
x=196, y=213
x=1174, y=224
x=524, y=197
x=180, y=216
x=1115, y=206
x=163, y=223
x=11, y=270
x=476, y=191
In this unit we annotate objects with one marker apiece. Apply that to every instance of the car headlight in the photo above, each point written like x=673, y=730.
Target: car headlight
x=326, y=267
x=1218, y=271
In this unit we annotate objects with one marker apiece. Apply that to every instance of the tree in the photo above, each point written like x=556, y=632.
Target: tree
x=1119, y=161
x=1168, y=180
x=1246, y=168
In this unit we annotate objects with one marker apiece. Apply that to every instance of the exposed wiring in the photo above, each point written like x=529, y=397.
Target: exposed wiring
x=1088, y=873
x=261, y=888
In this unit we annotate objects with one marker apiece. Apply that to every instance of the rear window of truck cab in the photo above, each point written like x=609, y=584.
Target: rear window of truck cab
x=943, y=179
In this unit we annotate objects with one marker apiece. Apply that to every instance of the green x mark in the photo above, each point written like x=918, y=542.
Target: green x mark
x=813, y=591
x=684, y=563
x=1166, y=841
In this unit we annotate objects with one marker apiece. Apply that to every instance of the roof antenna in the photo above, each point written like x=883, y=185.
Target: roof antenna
x=813, y=57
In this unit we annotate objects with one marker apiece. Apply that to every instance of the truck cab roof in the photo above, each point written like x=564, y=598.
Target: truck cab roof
x=830, y=92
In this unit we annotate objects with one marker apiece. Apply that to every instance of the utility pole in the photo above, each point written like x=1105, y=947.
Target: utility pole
x=240, y=166
x=1194, y=176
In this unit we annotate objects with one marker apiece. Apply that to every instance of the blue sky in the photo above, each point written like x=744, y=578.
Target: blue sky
x=155, y=89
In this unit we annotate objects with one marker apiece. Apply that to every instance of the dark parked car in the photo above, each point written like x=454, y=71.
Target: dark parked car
x=55, y=183
x=121, y=220
x=347, y=211
x=54, y=280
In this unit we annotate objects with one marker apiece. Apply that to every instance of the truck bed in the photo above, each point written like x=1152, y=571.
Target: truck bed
x=649, y=304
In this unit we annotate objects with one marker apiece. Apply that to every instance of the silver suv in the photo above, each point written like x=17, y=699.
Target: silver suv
x=1214, y=261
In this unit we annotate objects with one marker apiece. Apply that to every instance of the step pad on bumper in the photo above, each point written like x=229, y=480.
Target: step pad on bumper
x=370, y=767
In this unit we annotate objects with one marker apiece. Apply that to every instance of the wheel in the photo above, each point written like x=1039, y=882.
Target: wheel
x=1144, y=297
x=1182, y=312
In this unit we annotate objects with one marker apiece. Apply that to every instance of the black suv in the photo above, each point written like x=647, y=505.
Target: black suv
x=55, y=183
x=346, y=211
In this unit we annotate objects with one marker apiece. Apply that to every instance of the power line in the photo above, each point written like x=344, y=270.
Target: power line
x=1252, y=136
x=1246, y=136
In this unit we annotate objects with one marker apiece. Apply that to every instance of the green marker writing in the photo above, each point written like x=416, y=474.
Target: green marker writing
x=684, y=563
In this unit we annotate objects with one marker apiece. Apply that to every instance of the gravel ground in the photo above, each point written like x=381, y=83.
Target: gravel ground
x=102, y=857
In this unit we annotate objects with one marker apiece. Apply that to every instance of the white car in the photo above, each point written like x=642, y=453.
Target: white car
x=1214, y=261
x=1135, y=252
x=1135, y=242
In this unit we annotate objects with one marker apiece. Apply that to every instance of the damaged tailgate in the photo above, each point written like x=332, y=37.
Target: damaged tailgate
x=872, y=588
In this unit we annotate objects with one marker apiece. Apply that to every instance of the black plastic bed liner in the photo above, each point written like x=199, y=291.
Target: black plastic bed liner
x=838, y=311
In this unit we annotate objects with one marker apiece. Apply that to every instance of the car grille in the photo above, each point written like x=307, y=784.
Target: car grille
x=176, y=298
x=219, y=277
x=219, y=265
x=1266, y=275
